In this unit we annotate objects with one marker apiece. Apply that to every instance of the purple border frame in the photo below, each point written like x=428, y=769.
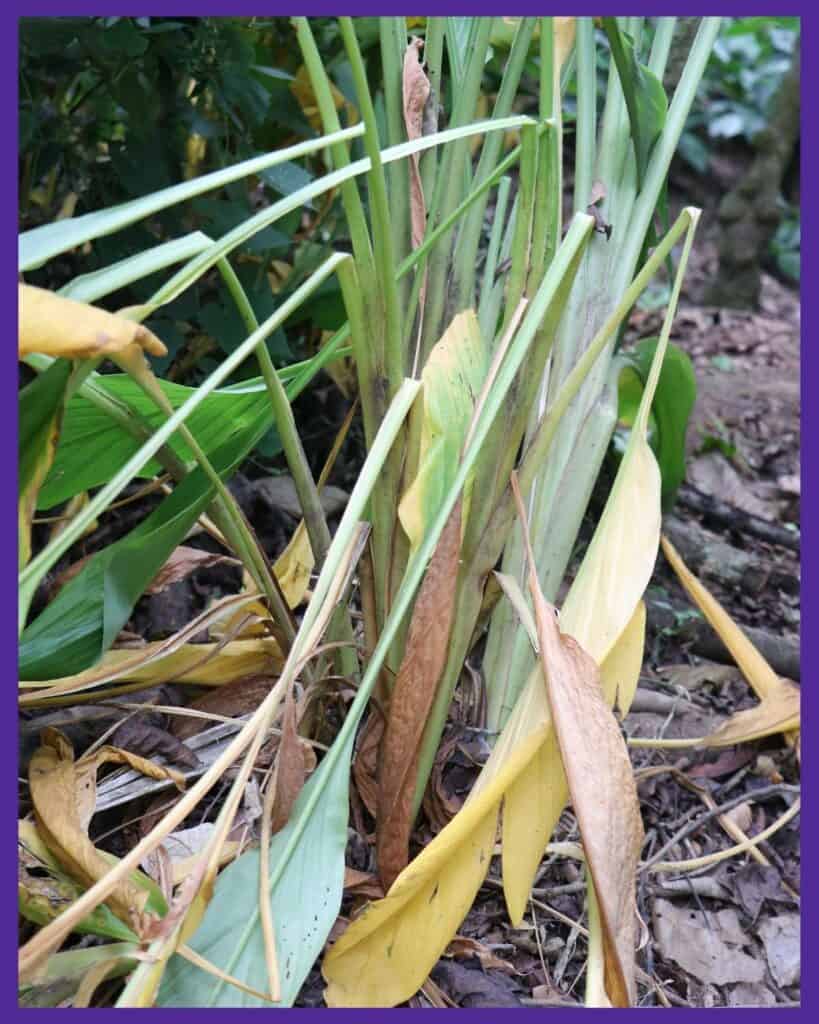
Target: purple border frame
x=809, y=376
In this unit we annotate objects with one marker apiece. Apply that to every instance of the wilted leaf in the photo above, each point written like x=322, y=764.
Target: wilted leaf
x=425, y=653
x=182, y=563
x=779, y=707
x=294, y=761
x=302, y=89
x=416, y=90
x=600, y=780
x=57, y=326
x=63, y=793
x=210, y=664
x=294, y=565
x=141, y=737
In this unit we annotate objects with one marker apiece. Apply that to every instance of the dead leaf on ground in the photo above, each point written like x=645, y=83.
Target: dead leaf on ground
x=463, y=948
x=780, y=936
x=239, y=697
x=471, y=988
x=141, y=737
x=414, y=692
x=63, y=792
x=709, y=950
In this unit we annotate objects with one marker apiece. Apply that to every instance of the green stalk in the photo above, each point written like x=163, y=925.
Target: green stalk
x=448, y=185
x=393, y=43
x=488, y=326
x=379, y=213
x=521, y=246
x=314, y=521
x=466, y=248
x=585, y=153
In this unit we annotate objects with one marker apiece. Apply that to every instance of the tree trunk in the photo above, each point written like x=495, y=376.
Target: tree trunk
x=749, y=214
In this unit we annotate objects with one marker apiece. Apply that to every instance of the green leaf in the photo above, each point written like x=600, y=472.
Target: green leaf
x=97, y=284
x=670, y=411
x=306, y=886
x=93, y=446
x=40, y=412
x=645, y=97
x=82, y=622
x=40, y=244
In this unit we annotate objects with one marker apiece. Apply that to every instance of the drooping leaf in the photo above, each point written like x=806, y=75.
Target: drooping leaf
x=40, y=415
x=425, y=653
x=598, y=771
x=56, y=326
x=415, y=92
x=63, y=793
x=779, y=707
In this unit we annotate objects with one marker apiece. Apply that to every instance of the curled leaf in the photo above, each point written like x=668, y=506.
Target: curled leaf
x=425, y=654
x=56, y=326
x=63, y=792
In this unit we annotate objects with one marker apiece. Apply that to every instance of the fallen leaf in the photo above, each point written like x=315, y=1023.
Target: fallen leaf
x=470, y=987
x=294, y=566
x=63, y=793
x=141, y=737
x=707, y=949
x=780, y=936
x=462, y=948
x=232, y=700
x=56, y=326
x=779, y=707
x=425, y=653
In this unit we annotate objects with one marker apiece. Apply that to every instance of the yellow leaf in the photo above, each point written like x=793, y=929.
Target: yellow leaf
x=452, y=380
x=57, y=326
x=64, y=793
x=620, y=670
x=779, y=707
x=202, y=664
x=756, y=670
x=294, y=565
x=302, y=89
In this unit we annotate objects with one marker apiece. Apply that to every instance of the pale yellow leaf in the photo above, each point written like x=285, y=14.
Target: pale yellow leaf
x=754, y=667
x=452, y=380
x=56, y=326
x=294, y=565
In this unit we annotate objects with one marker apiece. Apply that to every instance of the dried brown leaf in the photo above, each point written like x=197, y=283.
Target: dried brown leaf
x=365, y=764
x=294, y=761
x=601, y=783
x=63, y=792
x=182, y=562
x=425, y=654
x=416, y=90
